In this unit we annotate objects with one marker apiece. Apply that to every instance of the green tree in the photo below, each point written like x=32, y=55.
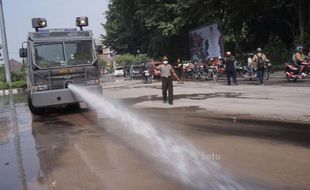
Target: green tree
x=2, y=74
x=161, y=27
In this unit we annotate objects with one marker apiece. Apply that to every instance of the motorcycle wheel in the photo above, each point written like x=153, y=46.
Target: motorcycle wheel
x=266, y=75
x=215, y=75
x=290, y=79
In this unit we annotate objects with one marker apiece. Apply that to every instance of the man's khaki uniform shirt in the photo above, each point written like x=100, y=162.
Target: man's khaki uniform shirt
x=165, y=70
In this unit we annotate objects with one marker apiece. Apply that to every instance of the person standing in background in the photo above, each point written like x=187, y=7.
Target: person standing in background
x=229, y=61
x=260, y=60
x=179, y=69
x=250, y=64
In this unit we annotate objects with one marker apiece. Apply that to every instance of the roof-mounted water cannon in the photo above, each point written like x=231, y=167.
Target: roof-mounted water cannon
x=39, y=23
x=81, y=21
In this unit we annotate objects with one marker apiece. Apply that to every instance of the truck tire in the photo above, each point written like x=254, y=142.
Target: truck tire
x=73, y=107
x=35, y=110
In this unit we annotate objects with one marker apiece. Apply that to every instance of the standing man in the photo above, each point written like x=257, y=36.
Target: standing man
x=166, y=71
x=250, y=64
x=179, y=68
x=260, y=60
x=229, y=62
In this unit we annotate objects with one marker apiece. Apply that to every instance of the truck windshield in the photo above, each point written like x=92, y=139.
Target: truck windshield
x=63, y=54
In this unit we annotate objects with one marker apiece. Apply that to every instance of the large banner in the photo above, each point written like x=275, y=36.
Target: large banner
x=206, y=42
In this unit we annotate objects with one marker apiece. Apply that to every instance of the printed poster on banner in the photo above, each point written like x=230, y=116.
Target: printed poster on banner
x=206, y=42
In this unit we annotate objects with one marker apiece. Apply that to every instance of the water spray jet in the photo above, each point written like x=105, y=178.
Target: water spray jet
x=175, y=153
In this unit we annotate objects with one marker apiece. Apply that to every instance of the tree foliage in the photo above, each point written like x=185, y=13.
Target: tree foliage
x=160, y=27
x=126, y=60
x=2, y=74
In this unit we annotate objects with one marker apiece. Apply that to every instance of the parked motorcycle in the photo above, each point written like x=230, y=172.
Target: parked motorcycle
x=217, y=68
x=269, y=67
x=245, y=72
x=200, y=74
x=213, y=73
x=147, y=77
x=292, y=72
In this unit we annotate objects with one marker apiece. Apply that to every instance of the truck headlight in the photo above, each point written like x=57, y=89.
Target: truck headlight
x=42, y=87
x=39, y=87
x=92, y=82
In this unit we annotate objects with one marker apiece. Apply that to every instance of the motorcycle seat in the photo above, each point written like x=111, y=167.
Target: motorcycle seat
x=293, y=68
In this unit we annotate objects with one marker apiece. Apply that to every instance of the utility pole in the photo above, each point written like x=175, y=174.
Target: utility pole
x=5, y=47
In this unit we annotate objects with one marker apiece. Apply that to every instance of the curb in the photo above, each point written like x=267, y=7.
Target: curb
x=6, y=92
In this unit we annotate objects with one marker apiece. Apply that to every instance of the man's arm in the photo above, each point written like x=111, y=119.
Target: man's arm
x=175, y=75
x=264, y=59
x=299, y=57
x=157, y=68
x=254, y=59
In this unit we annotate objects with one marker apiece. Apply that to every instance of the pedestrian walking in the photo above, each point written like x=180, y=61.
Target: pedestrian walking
x=166, y=73
x=260, y=61
x=230, y=64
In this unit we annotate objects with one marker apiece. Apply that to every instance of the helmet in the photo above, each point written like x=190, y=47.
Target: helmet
x=165, y=58
x=259, y=50
x=228, y=53
x=299, y=49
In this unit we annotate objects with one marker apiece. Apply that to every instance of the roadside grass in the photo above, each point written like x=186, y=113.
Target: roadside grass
x=16, y=84
x=3, y=85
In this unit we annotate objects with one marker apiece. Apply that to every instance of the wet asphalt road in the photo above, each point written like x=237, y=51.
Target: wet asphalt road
x=78, y=150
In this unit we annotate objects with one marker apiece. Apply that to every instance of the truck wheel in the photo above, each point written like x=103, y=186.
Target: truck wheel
x=73, y=107
x=35, y=110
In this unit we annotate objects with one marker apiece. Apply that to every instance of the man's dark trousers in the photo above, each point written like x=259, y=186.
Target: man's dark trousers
x=231, y=74
x=167, y=85
x=260, y=75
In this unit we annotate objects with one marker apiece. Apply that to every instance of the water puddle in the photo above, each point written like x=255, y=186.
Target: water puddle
x=184, y=162
x=18, y=158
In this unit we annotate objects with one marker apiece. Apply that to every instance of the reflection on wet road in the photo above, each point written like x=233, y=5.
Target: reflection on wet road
x=80, y=151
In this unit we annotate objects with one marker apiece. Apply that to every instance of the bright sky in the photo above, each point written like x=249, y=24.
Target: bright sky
x=58, y=13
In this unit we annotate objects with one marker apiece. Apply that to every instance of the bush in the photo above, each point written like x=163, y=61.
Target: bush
x=3, y=85
x=277, y=51
x=19, y=84
x=102, y=63
x=128, y=59
x=19, y=75
x=2, y=73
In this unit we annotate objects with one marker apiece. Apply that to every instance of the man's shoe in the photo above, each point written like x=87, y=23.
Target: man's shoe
x=165, y=101
x=171, y=103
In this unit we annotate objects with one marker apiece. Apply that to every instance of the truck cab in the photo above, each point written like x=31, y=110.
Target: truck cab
x=55, y=59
